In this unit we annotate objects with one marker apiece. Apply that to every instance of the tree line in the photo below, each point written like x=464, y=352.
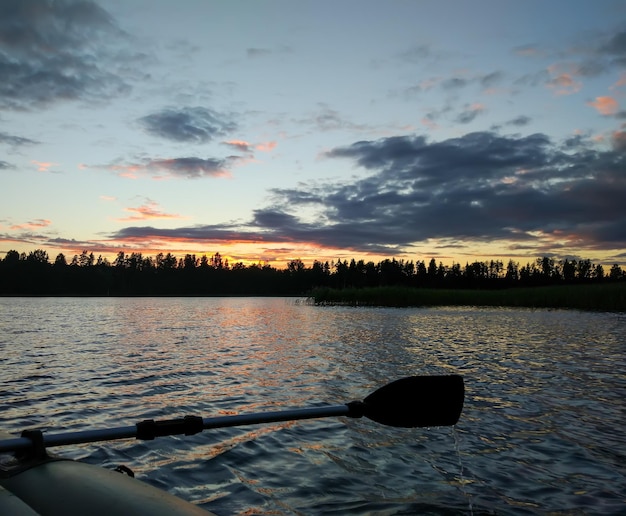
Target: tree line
x=165, y=274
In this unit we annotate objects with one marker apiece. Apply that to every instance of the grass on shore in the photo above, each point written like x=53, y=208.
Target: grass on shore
x=603, y=297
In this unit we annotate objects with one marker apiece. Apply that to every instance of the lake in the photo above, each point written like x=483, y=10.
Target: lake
x=542, y=428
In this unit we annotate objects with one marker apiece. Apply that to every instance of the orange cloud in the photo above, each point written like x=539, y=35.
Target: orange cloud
x=33, y=224
x=265, y=147
x=621, y=82
x=605, y=105
x=563, y=83
x=241, y=145
x=148, y=211
x=43, y=166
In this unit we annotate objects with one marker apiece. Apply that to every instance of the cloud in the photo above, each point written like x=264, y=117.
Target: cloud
x=16, y=141
x=416, y=54
x=266, y=146
x=562, y=83
x=485, y=82
x=43, y=166
x=619, y=141
x=239, y=145
x=520, y=121
x=591, y=57
x=257, y=52
x=529, y=51
x=186, y=168
x=4, y=165
x=454, y=83
x=33, y=224
x=328, y=119
x=615, y=47
x=470, y=113
x=204, y=234
x=620, y=82
x=188, y=124
x=491, y=79
x=481, y=187
x=605, y=105
x=52, y=51
x=148, y=211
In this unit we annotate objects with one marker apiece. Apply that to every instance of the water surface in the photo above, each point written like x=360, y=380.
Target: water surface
x=542, y=428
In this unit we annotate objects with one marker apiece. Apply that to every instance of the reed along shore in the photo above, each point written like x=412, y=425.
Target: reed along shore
x=602, y=297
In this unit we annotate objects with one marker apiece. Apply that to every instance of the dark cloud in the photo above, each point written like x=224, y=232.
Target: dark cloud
x=454, y=83
x=189, y=124
x=615, y=47
x=525, y=190
x=57, y=50
x=481, y=187
x=11, y=139
x=519, y=121
x=204, y=233
x=416, y=54
x=619, y=141
x=257, y=52
x=5, y=166
x=469, y=114
x=491, y=79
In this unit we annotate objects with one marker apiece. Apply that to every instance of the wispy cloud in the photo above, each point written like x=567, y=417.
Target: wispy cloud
x=258, y=53
x=33, y=224
x=185, y=168
x=149, y=210
x=327, y=119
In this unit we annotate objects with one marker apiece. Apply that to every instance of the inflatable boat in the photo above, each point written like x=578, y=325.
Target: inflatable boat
x=52, y=486
x=35, y=482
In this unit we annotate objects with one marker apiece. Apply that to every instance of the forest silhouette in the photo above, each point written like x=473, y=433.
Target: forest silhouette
x=166, y=275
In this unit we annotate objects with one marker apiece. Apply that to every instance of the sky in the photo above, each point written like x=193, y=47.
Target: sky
x=276, y=130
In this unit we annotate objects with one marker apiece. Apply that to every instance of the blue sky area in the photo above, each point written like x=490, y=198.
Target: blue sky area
x=274, y=130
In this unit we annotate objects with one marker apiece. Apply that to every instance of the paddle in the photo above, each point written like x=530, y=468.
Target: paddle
x=411, y=402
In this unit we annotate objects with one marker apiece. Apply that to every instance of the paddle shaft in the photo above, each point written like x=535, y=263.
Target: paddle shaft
x=129, y=432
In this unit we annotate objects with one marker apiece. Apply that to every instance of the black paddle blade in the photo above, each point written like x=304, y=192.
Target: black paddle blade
x=417, y=401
